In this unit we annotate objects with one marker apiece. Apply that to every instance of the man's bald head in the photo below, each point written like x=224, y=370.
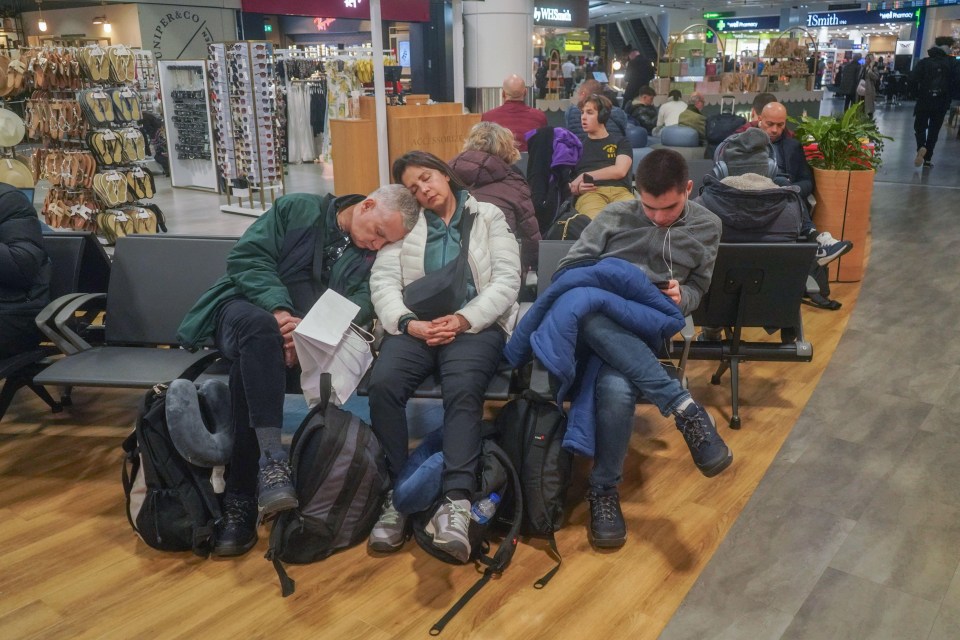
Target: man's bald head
x=514, y=88
x=773, y=120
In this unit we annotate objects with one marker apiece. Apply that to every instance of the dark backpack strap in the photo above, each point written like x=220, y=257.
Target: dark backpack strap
x=439, y=625
x=287, y=584
x=542, y=582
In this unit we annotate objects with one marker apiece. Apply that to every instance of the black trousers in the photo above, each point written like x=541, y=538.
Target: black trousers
x=466, y=366
x=250, y=339
x=18, y=334
x=926, y=127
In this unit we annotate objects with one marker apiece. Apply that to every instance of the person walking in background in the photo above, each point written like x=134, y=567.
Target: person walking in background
x=514, y=114
x=849, y=80
x=568, y=69
x=870, y=77
x=639, y=73
x=935, y=79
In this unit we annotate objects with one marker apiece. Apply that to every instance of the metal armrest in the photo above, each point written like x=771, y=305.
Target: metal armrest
x=43, y=321
x=687, y=333
x=66, y=314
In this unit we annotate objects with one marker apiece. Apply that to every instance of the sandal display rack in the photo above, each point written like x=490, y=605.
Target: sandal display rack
x=188, y=126
x=148, y=81
x=86, y=115
x=244, y=106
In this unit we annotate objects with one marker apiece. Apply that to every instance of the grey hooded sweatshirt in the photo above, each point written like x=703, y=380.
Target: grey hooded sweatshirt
x=684, y=251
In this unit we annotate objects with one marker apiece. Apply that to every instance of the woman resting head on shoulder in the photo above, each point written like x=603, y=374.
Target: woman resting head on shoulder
x=486, y=166
x=446, y=295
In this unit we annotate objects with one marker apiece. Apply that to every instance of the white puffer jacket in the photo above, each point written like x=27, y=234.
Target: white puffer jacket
x=494, y=258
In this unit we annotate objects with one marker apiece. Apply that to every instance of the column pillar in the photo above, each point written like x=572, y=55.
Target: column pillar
x=498, y=41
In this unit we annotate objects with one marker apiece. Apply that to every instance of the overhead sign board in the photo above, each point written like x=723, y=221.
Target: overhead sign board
x=562, y=13
x=850, y=18
x=753, y=23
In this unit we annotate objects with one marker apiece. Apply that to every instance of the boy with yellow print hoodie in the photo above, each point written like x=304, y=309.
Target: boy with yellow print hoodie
x=603, y=173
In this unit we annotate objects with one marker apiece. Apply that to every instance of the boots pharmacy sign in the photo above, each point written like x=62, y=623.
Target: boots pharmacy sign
x=850, y=18
x=562, y=13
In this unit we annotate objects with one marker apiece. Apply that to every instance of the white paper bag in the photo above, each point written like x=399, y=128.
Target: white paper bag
x=328, y=342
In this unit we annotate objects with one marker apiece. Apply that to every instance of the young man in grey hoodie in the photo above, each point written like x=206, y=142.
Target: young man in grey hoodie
x=675, y=242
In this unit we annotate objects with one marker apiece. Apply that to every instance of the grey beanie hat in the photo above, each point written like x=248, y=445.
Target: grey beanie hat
x=747, y=152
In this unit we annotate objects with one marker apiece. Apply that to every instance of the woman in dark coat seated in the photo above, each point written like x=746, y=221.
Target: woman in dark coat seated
x=486, y=167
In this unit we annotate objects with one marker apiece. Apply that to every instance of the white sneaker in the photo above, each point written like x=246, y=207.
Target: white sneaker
x=390, y=532
x=449, y=527
x=830, y=248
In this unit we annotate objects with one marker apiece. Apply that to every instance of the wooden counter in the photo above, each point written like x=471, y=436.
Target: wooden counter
x=438, y=128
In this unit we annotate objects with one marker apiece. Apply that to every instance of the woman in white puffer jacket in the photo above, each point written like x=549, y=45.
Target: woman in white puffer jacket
x=444, y=315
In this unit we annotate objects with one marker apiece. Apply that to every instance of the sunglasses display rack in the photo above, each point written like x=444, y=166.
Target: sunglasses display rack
x=189, y=128
x=244, y=107
x=87, y=115
x=148, y=81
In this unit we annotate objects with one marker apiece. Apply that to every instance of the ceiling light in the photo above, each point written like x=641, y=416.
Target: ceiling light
x=41, y=23
x=99, y=20
x=107, y=27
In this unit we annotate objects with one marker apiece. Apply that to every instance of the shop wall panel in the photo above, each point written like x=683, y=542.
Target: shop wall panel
x=177, y=32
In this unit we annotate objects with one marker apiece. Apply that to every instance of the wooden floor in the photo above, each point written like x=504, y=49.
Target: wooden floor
x=70, y=567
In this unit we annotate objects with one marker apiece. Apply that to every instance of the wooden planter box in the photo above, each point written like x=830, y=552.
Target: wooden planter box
x=843, y=209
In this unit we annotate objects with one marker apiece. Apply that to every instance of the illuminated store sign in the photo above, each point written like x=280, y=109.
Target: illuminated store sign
x=562, y=13
x=766, y=23
x=849, y=18
x=552, y=14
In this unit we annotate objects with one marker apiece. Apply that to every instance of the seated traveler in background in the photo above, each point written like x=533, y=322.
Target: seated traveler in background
x=674, y=242
x=486, y=167
x=272, y=281
x=693, y=117
x=454, y=323
x=642, y=110
x=616, y=123
x=669, y=113
x=792, y=169
x=514, y=114
x=24, y=273
x=759, y=102
x=603, y=172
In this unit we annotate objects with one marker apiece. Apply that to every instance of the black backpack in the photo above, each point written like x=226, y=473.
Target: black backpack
x=496, y=474
x=935, y=82
x=172, y=493
x=340, y=475
x=531, y=430
x=569, y=224
x=721, y=125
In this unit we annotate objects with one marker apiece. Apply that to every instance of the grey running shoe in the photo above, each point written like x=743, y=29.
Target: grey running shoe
x=390, y=532
x=449, y=527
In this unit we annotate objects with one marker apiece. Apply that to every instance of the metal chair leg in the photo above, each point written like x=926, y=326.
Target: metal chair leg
x=734, y=390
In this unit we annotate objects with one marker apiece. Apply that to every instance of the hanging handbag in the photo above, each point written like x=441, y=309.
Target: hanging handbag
x=862, y=87
x=443, y=291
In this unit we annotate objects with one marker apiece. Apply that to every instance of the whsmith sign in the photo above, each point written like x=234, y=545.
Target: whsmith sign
x=562, y=13
x=849, y=18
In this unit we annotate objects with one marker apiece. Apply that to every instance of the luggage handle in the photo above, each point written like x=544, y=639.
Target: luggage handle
x=733, y=102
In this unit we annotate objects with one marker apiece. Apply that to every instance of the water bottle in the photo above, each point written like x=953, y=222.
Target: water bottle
x=484, y=509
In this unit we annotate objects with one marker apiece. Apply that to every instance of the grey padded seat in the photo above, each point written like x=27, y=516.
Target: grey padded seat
x=154, y=281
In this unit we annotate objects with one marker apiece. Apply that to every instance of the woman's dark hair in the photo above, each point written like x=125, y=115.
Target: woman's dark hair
x=675, y=95
x=426, y=160
x=662, y=170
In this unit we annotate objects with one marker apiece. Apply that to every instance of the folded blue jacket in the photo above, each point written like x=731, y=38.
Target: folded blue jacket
x=549, y=331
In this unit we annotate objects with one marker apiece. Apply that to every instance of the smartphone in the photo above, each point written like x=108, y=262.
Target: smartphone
x=662, y=284
x=588, y=178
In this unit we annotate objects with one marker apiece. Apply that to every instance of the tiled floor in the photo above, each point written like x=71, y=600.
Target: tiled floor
x=854, y=532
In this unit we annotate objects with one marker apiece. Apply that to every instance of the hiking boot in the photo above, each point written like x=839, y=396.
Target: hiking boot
x=237, y=529
x=829, y=248
x=607, y=529
x=921, y=154
x=708, y=449
x=449, y=527
x=275, y=488
x=390, y=532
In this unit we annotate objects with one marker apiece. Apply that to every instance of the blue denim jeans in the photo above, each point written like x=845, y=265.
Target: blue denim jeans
x=419, y=483
x=630, y=368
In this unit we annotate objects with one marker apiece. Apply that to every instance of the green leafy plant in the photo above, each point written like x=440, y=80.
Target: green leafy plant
x=849, y=143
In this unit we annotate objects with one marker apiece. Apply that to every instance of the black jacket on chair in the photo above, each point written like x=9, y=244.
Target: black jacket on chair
x=24, y=265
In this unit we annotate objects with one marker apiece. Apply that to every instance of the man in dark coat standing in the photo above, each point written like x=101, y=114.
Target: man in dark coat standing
x=935, y=79
x=849, y=80
x=639, y=74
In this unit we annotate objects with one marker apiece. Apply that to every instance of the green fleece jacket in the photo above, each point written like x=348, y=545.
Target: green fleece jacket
x=272, y=265
x=685, y=251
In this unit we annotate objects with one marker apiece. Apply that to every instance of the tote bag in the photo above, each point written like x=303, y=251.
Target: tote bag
x=327, y=341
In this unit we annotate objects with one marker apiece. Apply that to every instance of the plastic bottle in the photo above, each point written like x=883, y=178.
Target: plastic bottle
x=484, y=509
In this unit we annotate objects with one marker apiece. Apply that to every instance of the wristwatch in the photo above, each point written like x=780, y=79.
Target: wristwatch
x=404, y=321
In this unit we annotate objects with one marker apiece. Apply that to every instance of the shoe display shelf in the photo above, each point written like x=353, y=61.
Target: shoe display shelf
x=86, y=114
x=244, y=107
x=188, y=125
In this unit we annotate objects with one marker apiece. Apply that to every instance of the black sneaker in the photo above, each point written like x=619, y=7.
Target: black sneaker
x=708, y=449
x=275, y=488
x=607, y=529
x=237, y=529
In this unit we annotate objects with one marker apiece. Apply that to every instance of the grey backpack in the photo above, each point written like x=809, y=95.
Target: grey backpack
x=340, y=476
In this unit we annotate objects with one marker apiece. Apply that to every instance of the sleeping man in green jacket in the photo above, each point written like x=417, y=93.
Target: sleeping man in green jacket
x=294, y=252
